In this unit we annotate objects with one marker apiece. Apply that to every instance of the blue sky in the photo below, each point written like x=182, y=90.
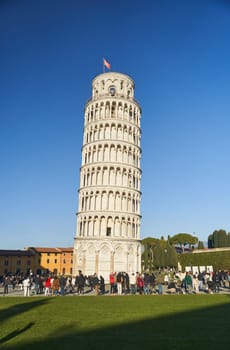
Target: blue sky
x=178, y=54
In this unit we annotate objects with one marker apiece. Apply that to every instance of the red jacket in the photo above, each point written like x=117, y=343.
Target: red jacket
x=111, y=278
x=140, y=282
x=48, y=282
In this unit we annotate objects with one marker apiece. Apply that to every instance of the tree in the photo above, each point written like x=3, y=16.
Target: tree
x=144, y=256
x=150, y=241
x=158, y=255
x=171, y=258
x=148, y=255
x=223, y=238
x=219, y=239
x=200, y=245
x=210, y=242
x=183, y=239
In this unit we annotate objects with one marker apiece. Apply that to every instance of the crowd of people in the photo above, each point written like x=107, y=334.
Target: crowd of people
x=196, y=282
x=120, y=283
x=169, y=281
x=52, y=285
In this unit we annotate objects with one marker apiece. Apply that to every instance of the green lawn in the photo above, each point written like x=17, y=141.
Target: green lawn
x=115, y=322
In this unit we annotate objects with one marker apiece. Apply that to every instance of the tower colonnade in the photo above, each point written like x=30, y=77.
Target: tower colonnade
x=122, y=226
x=105, y=152
x=111, y=130
x=110, y=201
x=108, y=218
x=115, y=175
x=108, y=109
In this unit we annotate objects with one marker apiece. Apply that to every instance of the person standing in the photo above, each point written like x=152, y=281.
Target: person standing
x=80, y=282
x=55, y=286
x=119, y=283
x=188, y=282
x=159, y=282
x=95, y=283
x=133, y=283
x=26, y=286
x=62, y=282
x=6, y=282
x=37, y=281
x=102, y=285
x=196, y=283
x=125, y=283
x=200, y=279
x=47, y=286
x=112, y=283
x=146, y=283
x=140, y=284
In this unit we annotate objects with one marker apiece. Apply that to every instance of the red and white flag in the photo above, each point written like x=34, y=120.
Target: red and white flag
x=106, y=64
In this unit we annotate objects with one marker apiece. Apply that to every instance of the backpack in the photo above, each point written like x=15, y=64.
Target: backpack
x=119, y=278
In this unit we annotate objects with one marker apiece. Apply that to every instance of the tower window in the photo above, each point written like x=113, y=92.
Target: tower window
x=112, y=90
x=108, y=231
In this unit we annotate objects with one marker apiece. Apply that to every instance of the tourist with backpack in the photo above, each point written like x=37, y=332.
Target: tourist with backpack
x=119, y=283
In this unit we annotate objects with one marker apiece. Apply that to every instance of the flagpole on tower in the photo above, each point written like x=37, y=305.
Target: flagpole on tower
x=106, y=64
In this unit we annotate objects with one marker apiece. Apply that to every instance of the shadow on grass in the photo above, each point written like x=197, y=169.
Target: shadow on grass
x=21, y=307
x=204, y=328
x=16, y=333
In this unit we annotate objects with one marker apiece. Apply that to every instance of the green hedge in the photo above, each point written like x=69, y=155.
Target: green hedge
x=219, y=260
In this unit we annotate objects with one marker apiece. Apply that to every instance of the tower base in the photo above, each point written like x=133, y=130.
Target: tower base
x=105, y=256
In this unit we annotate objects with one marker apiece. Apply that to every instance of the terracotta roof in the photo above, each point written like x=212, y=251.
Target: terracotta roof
x=51, y=250
x=10, y=252
x=44, y=250
x=70, y=249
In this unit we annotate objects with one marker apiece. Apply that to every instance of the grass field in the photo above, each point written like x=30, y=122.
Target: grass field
x=115, y=322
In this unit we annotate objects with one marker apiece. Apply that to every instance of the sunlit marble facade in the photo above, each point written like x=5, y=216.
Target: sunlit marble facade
x=108, y=219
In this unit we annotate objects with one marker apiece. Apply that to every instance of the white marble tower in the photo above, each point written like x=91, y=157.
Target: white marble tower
x=108, y=218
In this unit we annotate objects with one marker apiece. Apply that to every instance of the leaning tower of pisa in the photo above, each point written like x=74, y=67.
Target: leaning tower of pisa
x=108, y=218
